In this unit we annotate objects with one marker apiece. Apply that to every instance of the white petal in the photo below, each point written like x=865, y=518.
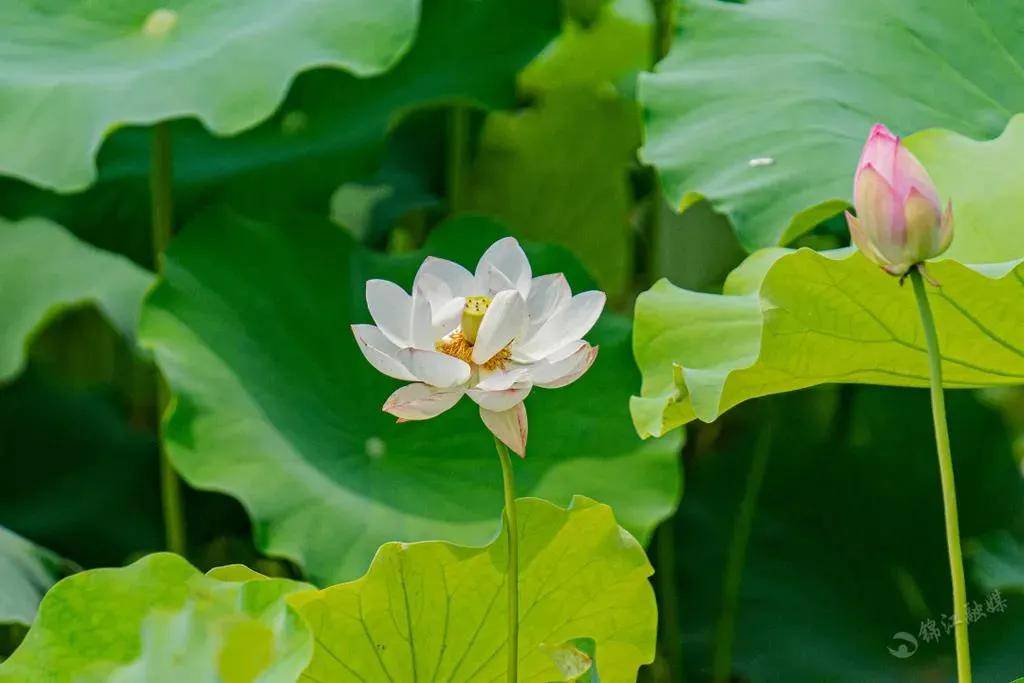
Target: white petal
x=504, y=320
x=505, y=399
x=420, y=402
x=421, y=325
x=391, y=308
x=501, y=379
x=566, y=326
x=503, y=264
x=566, y=351
x=557, y=374
x=448, y=316
x=381, y=353
x=435, y=369
x=509, y=426
x=457, y=280
x=548, y=295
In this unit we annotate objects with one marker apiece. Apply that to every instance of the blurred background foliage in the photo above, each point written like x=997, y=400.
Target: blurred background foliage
x=810, y=531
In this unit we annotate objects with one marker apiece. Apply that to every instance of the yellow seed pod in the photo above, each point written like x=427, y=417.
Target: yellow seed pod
x=473, y=315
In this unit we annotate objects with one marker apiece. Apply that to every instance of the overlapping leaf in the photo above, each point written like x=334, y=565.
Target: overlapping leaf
x=435, y=611
x=161, y=620
x=762, y=106
x=541, y=169
x=792, y=319
x=429, y=608
x=26, y=572
x=44, y=270
x=74, y=71
x=330, y=129
x=274, y=404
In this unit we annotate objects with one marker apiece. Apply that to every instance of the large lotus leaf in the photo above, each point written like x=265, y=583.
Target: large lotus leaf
x=612, y=47
x=792, y=319
x=436, y=611
x=74, y=70
x=540, y=171
x=274, y=404
x=998, y=562
x=160, y=620
x=847, y=547
x=762, y=107
x=26, y=572
x=44, y=270
x=979, y=178
x=330, y=129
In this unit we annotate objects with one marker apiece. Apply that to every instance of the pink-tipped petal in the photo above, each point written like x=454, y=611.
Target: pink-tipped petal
x=503, y=399
x=509, y=427
x=566, y=326
x=420, y=402
x=878, y=212
x=910, y=175
x=558, y=374
x=879, y=152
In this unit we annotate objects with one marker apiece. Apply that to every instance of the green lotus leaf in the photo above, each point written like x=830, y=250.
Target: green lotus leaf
x=762, y=107
x=161, y=620
x=75, y=71
x=44, y=270
x=612, y=47
x=274, y=404
x=436, y=611
x=538, y=169
x=792, y=319
x=998, y=562
x=331, y=128
x=26, y=572
x=847, y=547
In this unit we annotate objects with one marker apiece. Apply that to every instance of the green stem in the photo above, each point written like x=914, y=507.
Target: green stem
x=956, y=562
x=458, y=141
x=725, y=632
x=671, y=638
x=508, y=481
x=163, y=218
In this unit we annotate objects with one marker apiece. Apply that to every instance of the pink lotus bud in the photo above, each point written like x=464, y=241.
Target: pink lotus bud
x=900, y=221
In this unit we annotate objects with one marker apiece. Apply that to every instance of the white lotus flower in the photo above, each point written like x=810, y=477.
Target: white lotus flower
x=493, y=335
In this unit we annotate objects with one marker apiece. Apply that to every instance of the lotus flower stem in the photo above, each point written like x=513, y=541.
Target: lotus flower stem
x=512, y=572
x=725, y=632
x=956, y=563
x=162, y=206
x=458, y=143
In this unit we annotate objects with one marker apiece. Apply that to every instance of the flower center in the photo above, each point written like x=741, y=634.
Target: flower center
x=473, y=315
x=460, y=343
